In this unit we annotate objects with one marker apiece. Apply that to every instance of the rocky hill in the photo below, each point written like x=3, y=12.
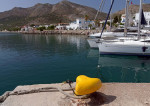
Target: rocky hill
x=63, y=11
x=134, y=9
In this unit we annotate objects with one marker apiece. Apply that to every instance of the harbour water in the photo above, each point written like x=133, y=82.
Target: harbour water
x=42, y=59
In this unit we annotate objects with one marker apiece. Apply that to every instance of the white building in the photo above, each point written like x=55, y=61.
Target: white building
x=147, y=18
x=80, y=24
x=123, y=18
x=61, y=26
x=27, y=28
x=130, y=20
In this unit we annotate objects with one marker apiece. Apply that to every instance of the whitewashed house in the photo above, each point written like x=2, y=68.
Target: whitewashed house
x=26, y=28
x=80, y=24
x=46, y=26
x=61, y=26
x=123, y=18
x=147, y=18
x=130, y=20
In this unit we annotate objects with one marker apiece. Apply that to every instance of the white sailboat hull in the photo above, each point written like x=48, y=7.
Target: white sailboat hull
x=92, y=43
x=124, y=48
x=93, y=38
x=108, y=34
x=117, y=34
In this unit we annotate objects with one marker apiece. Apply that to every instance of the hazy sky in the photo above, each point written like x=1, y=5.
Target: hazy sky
x=118, y=4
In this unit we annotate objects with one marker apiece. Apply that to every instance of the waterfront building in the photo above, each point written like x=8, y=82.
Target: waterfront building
x=81, y=24
x=147, y=18
x=130, y=20
x=123, y=18
x=27, y=28
x=46, y=26
x=61, y=26
x=107, y=25
x=134, y=18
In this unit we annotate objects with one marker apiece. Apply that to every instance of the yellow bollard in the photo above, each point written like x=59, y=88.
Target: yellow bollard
x=86, y=85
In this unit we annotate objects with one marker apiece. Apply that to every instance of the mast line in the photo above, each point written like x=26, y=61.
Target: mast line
x=107, y=18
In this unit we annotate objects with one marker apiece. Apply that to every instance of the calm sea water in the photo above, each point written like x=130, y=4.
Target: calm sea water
x=42, y=59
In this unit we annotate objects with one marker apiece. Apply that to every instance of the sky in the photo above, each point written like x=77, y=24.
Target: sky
x=118, y=4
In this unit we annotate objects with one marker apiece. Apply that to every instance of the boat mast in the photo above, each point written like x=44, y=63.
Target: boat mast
x=127, y=17
x=110, y=19
x=100, y=9
x=107, y=18
x=140, y=15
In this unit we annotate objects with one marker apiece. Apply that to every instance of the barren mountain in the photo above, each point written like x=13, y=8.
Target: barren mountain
x=63, y=11
x=134, y=9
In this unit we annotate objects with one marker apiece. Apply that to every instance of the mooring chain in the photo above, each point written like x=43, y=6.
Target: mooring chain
x=46, y=89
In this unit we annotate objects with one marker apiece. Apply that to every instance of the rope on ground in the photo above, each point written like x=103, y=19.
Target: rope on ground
x=46, y=89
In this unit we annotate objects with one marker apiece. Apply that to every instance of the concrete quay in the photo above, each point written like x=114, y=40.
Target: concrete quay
x=111, y=94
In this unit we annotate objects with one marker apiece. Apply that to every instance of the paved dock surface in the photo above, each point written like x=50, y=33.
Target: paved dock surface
x=111, y=94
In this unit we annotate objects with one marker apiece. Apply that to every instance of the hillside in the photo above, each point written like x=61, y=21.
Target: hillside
x=63, y=11
x=134, y=9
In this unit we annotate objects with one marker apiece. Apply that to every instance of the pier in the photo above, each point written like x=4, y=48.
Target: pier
x=111, y=94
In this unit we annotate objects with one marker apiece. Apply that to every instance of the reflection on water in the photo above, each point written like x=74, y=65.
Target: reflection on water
x=124, y=68
x=49, y=39
x=113, y=68
x=58, y=43
x=93, y=53
x=49, y=44
x=38, y=59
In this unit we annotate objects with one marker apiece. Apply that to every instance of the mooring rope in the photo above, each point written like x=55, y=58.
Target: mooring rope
x=46, y=89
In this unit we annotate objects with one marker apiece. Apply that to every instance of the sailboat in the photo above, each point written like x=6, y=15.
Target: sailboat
x=139, y=46
x=93, y=38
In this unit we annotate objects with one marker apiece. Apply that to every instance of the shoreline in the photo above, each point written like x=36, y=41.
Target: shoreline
x=67, y=32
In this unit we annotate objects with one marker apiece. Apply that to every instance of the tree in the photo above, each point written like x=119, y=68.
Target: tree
x=116, y=25
x=32, y=25
x=14, y=29
x=90, y=25
x=108, y=23
x=86, y=17
x=41, y=28
x=103, y=25
x=119, y=18
x=97, y=23
x=52, y=27
x=115, y=19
